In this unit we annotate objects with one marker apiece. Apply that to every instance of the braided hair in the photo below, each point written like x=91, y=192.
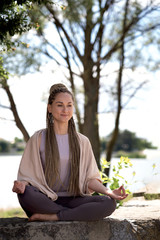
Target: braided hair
x=52, y=162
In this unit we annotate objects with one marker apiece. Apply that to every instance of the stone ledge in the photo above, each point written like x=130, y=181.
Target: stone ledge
x=107, y=229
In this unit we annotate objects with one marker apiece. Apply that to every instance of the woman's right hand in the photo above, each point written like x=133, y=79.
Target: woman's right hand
x=19, y=187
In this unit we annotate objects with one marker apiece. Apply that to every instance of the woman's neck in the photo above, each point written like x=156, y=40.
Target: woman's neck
x=61, y=129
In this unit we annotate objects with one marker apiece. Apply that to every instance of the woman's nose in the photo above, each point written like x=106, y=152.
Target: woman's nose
x=64, y=109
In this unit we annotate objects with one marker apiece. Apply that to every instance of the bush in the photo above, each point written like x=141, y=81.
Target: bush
x=151, y=196
x=124, y=162
x=4, y=146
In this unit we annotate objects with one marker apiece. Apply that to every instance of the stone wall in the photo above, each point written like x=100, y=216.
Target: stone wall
x=107, y=229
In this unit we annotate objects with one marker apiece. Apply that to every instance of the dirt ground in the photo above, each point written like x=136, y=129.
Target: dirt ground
x=138, y=208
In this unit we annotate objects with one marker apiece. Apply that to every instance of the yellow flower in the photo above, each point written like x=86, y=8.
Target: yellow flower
x=134, y=173
x=103, y=161
x=125, y=160
x=154, y=165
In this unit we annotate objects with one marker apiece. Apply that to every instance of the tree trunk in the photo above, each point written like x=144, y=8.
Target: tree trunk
x=111, y=143
x=91, y=89
x=15, y=113
x=90, y=127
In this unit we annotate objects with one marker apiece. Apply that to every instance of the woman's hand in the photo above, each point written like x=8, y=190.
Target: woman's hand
x=118, y=194
x=19, y=186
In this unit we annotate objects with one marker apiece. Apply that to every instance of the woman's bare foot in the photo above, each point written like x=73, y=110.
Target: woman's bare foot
x=43, y=217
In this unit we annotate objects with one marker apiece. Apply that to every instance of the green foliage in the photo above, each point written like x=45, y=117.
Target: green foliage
x=4, y=146
x=23, y=59
x=124, y=162
x=8, y=147
x=151, y=196
x=78, y=8
x=14, y=19
x=3, y=73
x=116, y=180
x=18, y=140
x=127, y=141
x=18, y=145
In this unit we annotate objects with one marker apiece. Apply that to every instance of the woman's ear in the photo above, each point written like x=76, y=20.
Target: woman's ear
x=49, y=108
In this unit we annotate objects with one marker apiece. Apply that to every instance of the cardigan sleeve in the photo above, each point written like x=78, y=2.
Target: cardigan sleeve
x=30, y=169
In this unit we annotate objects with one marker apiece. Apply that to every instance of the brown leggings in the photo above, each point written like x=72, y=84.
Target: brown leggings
x=88, y=208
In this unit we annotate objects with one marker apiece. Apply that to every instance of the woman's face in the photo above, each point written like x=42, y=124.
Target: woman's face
x=62, y=107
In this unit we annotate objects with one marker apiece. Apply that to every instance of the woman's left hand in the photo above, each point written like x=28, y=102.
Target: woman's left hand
x=118, y=194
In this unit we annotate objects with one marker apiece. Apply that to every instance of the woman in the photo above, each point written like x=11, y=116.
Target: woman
x=58, y=172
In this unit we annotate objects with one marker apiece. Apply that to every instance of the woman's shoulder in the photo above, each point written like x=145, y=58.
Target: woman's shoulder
x=37, y=134
x=83, y=138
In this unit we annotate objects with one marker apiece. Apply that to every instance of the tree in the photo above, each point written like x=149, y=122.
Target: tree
x=89, y=38
x=14, y=19
x=5, y=86
x=4, y=146
x=128, y=141
x=92, y=33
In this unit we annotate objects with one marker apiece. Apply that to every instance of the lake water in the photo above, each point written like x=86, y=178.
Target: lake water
x=142, y=167
x=8, y=173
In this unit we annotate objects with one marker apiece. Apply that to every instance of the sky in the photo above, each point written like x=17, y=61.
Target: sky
x=141, y=116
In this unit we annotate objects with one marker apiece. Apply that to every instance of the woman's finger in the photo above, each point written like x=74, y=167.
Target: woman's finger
x=123, y=191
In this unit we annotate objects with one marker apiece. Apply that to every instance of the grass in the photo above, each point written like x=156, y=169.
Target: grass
x=12, y=212
x=152, y=196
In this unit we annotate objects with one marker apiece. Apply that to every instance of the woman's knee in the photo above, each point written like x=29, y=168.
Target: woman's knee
x=25, y=200
x=109, y=206
x=28, y=196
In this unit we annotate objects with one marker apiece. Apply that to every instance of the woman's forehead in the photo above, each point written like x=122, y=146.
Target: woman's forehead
x=63, y=97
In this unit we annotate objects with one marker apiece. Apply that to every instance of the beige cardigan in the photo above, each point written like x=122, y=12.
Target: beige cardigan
x=31, y=170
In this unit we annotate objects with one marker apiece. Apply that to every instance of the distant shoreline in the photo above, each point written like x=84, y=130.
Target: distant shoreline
x=11, y=154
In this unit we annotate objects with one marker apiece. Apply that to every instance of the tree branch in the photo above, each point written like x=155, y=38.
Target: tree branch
x=2, y=106
x=60, y=25
x=71, y=79
x=103, y=10
x=134, y=92
x=117, y=45
x=14, y=111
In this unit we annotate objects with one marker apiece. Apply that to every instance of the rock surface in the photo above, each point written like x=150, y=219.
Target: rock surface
x=107, y=229
x=137, y=219
x=139, y=208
